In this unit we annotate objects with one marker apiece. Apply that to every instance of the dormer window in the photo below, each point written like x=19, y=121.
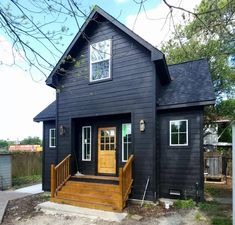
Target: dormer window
x=100, y=60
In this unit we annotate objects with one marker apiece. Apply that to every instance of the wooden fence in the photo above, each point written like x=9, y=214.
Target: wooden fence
x=26, y=164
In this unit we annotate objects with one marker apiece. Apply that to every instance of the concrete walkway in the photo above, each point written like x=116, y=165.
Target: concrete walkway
x=6, y=196
x=52, y=208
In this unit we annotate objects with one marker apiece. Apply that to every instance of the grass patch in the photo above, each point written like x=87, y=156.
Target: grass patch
x=219, y=214
x=221, y=221
x=185, y=204
x=218, y=190
x=213, y=191
x=198, y=217
x=208, y=206
x=148, y=205
x=18, y=182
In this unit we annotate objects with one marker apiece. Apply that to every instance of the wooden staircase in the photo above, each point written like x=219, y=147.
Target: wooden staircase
x=97, y=193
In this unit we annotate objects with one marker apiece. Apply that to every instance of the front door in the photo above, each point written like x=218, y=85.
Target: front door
x=107, y=150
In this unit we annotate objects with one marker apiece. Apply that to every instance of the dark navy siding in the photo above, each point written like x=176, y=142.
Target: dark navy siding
x=181, y=167
x=49, y=154
x=131, y=90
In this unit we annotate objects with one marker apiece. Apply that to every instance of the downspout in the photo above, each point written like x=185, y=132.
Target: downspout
x=57, y=131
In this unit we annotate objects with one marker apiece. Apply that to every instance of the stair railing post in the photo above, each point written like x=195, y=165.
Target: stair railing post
x=53, y=180
x=121, y=185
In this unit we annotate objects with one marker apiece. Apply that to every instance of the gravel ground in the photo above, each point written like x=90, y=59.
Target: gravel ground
x=22, y=212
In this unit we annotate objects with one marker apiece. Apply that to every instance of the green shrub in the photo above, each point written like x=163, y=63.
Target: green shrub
x=185, y=204
x=18, y=182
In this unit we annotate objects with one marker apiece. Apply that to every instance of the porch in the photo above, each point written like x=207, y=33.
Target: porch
x=97, y=192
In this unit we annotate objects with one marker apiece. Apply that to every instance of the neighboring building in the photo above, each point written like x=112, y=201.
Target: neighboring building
x=212, y=137
x=25, y=148
x=5, y=170
x=217, y=163
x=116, y=96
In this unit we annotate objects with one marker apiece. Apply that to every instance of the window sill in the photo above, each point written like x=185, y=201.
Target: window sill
x=100, y=81
x=180, y=147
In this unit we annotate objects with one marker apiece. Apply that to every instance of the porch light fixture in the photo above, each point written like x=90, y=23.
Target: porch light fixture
x=62, y=130
x=142, y=125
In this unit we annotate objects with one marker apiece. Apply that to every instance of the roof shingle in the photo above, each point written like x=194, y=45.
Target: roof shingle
x=191, y=83
x=49, y=113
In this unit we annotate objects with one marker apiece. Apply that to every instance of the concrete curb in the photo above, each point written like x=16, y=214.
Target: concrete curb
x=3, y=206
x=68, y=210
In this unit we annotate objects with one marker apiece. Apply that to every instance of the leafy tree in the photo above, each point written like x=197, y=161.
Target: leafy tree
x=37, y=27
x=3, y=144
x=209, y=34
x=31, y=141
x=226, y=109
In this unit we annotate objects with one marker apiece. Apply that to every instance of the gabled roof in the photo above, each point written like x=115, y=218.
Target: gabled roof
x=191, y=85
x=97, y=11
x=49, y=113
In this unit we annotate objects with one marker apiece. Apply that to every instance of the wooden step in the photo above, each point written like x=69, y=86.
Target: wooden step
x=96, y=177
x=92, y=198
x=82, y=189
x=89, y=185
x=89, y=191
x=100, y=206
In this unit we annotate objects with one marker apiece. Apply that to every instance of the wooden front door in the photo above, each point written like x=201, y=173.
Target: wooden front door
x=107, y=150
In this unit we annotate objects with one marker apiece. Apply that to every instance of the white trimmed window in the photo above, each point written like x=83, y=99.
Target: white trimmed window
x=100, y=60
x=126, y=141
x=178, y=132
x=86, y=143
x=52, y=138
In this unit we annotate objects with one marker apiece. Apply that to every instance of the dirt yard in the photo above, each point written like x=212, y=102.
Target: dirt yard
x=22, y=212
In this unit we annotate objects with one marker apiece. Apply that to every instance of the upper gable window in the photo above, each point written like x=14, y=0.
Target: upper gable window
x=100, y=59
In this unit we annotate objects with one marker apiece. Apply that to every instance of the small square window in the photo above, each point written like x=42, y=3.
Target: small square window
x=178, y=132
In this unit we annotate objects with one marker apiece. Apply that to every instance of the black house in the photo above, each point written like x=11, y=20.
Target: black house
x=117, y=97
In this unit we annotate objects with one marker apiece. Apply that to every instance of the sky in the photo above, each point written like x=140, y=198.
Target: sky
x=23, y=95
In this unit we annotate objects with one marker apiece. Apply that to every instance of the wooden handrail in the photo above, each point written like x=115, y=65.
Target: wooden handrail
x=59, y=175
x=130, y=160
x=63, y=161
x=125, y=180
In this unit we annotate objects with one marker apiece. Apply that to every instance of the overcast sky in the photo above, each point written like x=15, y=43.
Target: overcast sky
x=22, y=98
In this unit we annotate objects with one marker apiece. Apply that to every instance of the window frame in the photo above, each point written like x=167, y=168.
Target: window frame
x=50, y=137
x=123, y=160
x=170, y=140
x=97, y=61
x=83, y=149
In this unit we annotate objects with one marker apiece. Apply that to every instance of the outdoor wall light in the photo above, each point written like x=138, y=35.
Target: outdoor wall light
x=142, y=125
x=62, y=130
